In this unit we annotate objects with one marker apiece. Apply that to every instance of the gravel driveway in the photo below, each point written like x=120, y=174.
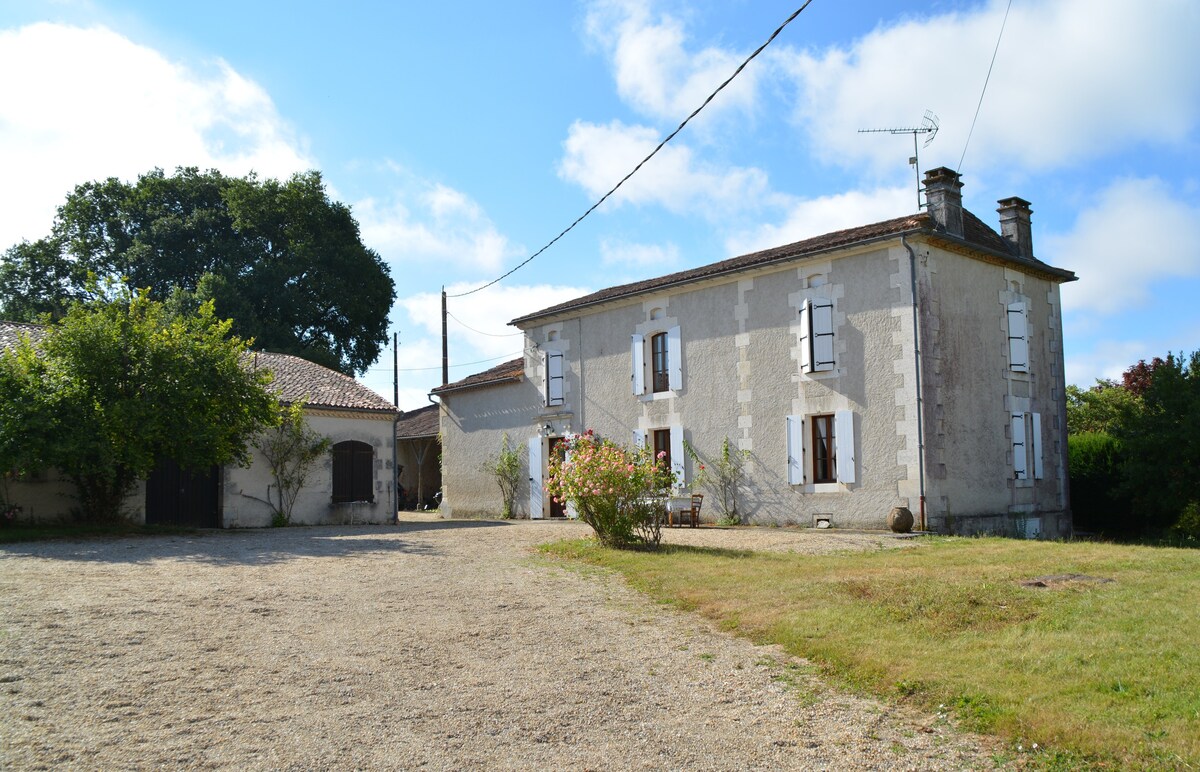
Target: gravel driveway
x=429, y=644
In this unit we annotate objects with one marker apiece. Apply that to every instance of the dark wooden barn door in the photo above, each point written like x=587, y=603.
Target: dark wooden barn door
x=185, y=497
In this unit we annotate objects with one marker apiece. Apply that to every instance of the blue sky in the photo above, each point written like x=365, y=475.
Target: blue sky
x=464, y=136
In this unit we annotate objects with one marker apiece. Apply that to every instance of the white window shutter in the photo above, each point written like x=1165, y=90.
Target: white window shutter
x=638, y=364
x=674, y=359
x=1036, y=445
x=806, y=352
x=535, y=478
x=1018, y=337
x=639, y=438
x=543, y=360
x=554, y=394
x=845, y=460
x=1020, y=457
x=821, y=329
x=677, y=458
x=571, y=509
x=795, y=449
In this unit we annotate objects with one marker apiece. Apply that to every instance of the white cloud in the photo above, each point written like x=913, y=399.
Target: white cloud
x=597, y=156
x=82, y=104
x=1134, y=234
x=815, y=217
x=660, y=258
x=654, y=70
x=1073, y=79
x=423, y=222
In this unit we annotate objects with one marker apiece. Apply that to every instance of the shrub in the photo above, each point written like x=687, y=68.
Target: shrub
x=724, y=478
x=621, y=492
x=505, y=467
x=1095, y=461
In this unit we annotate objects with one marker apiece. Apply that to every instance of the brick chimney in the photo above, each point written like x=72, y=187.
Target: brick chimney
x=1015, y=226
x=943, y=199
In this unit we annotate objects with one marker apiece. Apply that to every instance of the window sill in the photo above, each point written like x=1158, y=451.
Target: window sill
x=657, y=395
x=833, y=487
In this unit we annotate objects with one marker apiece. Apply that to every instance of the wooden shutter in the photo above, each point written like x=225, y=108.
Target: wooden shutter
x=844, y=456
x=553, y=394
x=1020, y=457
x=677, y=457
x=806, y=352
x=536, y=494
x=1036, y=444
x=674, y=359
x=795, y=450
x=1018, y=337
x=821, y=329
x=363, y=486
x=637, y=356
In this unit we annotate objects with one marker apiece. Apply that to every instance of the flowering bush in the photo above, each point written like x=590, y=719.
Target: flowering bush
x=620, y=492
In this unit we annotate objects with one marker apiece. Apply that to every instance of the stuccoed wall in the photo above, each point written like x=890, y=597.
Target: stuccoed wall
x=48, y=497
x=473, y=425
x=242, y=488
x=971, y=393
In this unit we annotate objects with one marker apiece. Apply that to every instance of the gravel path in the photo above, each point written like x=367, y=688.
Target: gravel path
x=430, y=644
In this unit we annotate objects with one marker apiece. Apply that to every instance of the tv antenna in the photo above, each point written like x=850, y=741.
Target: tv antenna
x=929, y=127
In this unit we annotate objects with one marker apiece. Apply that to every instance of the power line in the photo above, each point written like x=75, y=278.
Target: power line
x=654, y=152
x=985, y=85
x=481, y=332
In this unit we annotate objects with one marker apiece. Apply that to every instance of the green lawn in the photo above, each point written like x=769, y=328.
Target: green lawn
x=1095, y=673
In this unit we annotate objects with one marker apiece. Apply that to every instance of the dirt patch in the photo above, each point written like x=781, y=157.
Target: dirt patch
x=1065, y=580
x=436, y=644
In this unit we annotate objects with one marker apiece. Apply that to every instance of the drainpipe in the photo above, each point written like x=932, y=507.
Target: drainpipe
x=912, y=274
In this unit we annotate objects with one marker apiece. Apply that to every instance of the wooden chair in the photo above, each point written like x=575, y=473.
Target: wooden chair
x=692, y=514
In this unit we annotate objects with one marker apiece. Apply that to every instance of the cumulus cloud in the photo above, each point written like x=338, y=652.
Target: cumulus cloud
x=81, y=104
x=655, y=71
x=1135, y=233
x=814, y=217
x=598, y=156
x=430, y=223
x=1073, y=79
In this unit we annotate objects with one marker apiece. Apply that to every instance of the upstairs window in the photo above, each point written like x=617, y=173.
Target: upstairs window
x=353, y=472
x=816, y=336
x=665, y=366
x=1018, y=337
x=552, y=365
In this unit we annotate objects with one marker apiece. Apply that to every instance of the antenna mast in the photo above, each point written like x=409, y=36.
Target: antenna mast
x=929, y=126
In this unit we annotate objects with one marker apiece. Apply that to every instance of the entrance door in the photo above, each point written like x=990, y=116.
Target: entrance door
x=556, y=448
x=176, y=496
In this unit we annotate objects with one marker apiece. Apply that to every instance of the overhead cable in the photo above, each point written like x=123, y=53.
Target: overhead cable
x=985, y=85
x=654, y=152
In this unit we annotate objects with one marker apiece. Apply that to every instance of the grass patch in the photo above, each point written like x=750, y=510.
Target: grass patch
x=1095, y=673
x=23, y=533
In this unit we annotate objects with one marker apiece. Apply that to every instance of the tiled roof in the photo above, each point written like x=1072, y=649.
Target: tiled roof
x=299, y=379
x=422, y=422
x=11, y=332
x=502, y=373
x=977, y=234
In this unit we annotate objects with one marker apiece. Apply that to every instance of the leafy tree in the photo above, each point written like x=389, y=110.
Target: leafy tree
x=1162, y=441
x=505, y=467
x=1098, y=501
x=1102, y=408
x=116, y=385
x=280, y=258
x=723, y=477
x=291, y=448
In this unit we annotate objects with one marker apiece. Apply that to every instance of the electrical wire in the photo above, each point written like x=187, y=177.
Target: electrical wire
x=985, y=85
x=654, y=152
x=481, y=332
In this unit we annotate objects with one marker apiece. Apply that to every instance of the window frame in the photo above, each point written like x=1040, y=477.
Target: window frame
x=353, y=472
x=824, y=448
x=660, y=366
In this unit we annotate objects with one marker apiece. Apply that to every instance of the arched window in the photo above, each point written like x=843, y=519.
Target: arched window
x=353, y=472
x=660, y=363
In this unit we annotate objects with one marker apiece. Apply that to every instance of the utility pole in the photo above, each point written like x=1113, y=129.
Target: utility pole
x=395, y=370
x=445, y=347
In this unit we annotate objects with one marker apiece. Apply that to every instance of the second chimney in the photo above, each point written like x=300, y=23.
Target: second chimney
x=1015, y=225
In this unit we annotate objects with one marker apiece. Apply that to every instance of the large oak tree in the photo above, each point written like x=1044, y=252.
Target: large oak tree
x=281, y=259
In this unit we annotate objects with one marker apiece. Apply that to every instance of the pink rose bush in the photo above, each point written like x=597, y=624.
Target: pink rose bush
x=621, y=492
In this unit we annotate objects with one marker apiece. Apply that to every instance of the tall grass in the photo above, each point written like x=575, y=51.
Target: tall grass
x=1094, y=672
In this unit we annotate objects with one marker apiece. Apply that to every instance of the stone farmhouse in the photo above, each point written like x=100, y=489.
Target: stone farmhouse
x=913, y=362
x=353, y=484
